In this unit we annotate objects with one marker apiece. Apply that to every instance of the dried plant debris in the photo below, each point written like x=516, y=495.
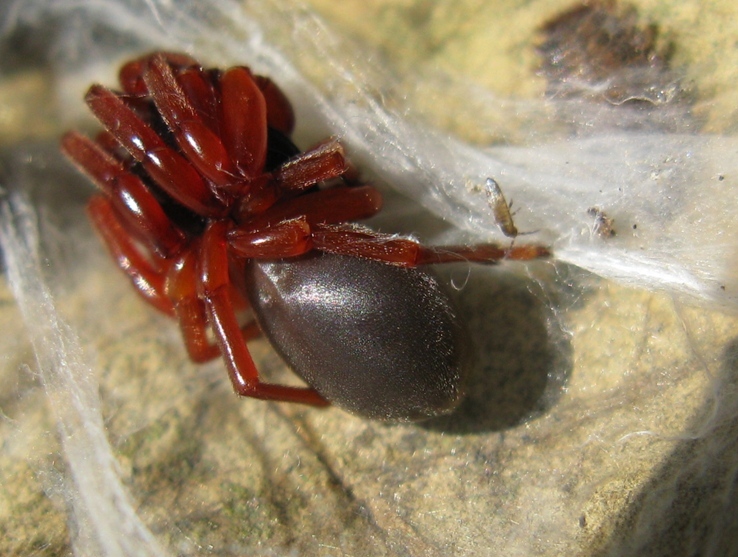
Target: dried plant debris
x=600, y=49
x=603, y=225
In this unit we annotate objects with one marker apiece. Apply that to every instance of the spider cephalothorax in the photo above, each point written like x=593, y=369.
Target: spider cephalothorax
x=209, y=208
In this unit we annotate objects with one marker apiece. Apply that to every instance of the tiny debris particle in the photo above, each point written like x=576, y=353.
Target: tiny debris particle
x=603, y=225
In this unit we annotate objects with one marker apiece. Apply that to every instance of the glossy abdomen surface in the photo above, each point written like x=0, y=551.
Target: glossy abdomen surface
x=377, y=340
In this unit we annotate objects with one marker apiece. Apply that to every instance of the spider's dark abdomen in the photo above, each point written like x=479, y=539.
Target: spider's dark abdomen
x=377, y=340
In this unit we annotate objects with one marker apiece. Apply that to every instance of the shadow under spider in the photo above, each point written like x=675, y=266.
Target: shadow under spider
x=519, y=362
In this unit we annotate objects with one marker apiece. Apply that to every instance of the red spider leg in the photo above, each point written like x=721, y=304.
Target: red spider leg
x=138, y=211
x=199, y=90
x=243, y=121
x=147, y=279
x=131, y=73
x=358, y=241
x=181, y=288
x=332, y=205
x=280, y=115
x=215, y=291
x=202, y=147
x=323, y=163
x=110, y=145
x=166, y=167
x=350, y=174
x=288, y=238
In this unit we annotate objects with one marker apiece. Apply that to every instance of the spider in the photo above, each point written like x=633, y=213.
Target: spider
x=210, y=210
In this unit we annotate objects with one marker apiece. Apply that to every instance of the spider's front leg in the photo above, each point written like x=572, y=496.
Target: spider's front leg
x=168, y=168
x=359, y=241
x=215, y=291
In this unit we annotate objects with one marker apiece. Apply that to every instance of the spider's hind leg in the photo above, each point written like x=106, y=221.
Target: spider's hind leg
x=215, y=291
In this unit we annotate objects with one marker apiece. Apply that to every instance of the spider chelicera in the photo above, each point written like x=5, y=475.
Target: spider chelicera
x=209, y=209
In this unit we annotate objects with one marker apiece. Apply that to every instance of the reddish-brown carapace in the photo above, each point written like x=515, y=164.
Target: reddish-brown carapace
x=208, y=207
